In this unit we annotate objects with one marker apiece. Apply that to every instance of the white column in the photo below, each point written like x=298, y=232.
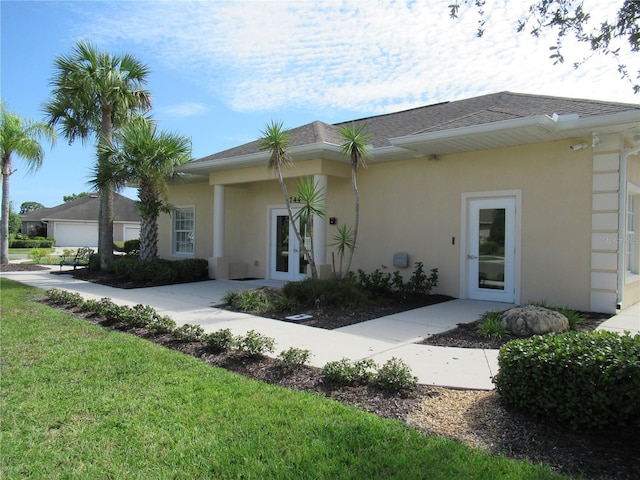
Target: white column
x=218, y=221
x=320, y=225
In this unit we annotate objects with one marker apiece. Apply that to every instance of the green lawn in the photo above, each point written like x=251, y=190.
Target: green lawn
x=79, y=401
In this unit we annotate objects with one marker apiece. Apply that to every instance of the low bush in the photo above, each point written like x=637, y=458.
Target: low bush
x=342, y=373
x=254, y=301
x=220, y=340
x=395, y=376
x=161, y=324
x=65, y=298
x=385, y=284
x=36, y=242
x=490, y=325
x=37, y=255
x=159, y=271
x=292, y=359
x=587, y=379
x=253, y=344
x=326, y=292
x=188, y=333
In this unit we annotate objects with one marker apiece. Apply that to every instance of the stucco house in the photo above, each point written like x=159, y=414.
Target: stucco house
x=513, y=197
x=75, y=223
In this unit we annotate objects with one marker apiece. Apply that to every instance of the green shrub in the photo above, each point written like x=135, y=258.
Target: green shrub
x=161, y=324
x=231, y=297
x=188, y=333
x=254, y=301
x=395, y=376
x=132, y=247
x=159, y=271
x=490, y=325
x=38, y=254
x=327, y=291
x=385, y=284
x=343, y=372
x=220, y=340
x=575, y=318
x=588, y=379
x=253, y=344
x=293, y=358
x=64, y=297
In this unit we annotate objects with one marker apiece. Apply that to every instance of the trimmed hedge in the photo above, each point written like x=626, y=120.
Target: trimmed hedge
x=587, y=379
x=160, y=271
x=36, y=242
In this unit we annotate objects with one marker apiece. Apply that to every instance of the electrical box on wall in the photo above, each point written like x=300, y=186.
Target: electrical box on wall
x=401, y=260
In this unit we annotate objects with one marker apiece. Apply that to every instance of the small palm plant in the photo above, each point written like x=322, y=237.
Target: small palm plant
x=342, y=241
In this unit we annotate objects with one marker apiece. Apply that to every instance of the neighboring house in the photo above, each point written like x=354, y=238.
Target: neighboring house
x=75, y=223
x=512, y=197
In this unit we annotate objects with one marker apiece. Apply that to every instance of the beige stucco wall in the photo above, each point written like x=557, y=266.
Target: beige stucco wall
x=422, y=212
x=199, y=195
x=415, y=206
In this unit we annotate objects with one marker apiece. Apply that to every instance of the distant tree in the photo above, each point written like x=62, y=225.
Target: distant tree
x=73, y=196
x=568, y=17
x=21, y=138
x=145, y=156
x=15, y=224
x=93, y=94
x=27, y=207
x=355, y=148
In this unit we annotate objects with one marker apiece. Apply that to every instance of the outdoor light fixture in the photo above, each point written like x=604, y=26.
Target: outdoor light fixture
x=579, y=146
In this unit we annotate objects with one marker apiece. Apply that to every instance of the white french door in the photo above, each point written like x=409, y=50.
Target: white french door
x=286, y=257
x=491, y=252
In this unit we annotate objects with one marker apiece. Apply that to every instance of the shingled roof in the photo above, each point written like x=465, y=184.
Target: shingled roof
x=85, y=209
x=386, y=129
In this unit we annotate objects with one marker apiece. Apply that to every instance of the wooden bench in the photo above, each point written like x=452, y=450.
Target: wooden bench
x=80, y=259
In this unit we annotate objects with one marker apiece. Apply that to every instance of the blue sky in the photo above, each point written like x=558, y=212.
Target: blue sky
x=221, y=70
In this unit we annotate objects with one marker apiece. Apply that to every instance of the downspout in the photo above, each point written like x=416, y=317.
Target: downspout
x=622, y=221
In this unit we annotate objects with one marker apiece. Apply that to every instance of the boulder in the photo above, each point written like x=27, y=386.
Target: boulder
x=532, y=320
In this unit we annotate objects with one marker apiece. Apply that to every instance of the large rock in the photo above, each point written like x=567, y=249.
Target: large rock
x=531, y=320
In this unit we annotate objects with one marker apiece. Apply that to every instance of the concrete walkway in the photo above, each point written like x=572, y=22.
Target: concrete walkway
x=380, y=339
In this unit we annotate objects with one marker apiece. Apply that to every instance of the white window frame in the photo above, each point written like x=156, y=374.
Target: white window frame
x=632, y=234
x=174, y=231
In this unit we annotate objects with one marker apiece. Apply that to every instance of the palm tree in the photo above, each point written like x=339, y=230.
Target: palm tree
x=143, y=155
x=312, y=204
x=276, y=140
x=93, y=94
x=356, y=149
x=21, y=138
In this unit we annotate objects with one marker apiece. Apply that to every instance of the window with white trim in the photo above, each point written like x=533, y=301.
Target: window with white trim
x=633, y=233
x=183, y=231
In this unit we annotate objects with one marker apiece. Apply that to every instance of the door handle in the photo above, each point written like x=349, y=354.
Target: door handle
x=472, y=257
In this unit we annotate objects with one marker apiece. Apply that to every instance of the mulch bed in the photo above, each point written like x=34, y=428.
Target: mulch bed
x=477, y=418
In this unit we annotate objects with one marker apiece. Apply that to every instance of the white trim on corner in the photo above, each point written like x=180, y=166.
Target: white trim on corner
x=516, y=194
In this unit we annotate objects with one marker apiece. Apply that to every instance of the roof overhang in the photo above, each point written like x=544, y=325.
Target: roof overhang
x=501, y=134
x=521, y=131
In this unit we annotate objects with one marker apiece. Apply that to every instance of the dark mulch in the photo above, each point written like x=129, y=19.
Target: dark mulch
x=465, y=335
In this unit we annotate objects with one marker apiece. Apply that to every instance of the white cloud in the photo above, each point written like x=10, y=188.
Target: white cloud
x=187, y=109
x=356, y=55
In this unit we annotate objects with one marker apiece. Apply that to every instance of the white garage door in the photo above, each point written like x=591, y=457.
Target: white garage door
x=131, y=232
x=76, y=235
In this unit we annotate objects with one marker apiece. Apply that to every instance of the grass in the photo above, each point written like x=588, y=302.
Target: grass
x=79, y=401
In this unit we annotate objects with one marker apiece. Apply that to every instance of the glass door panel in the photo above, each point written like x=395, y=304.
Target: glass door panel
x=491, y=241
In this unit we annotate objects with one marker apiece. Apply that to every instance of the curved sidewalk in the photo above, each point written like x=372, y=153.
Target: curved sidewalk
x=380, y=339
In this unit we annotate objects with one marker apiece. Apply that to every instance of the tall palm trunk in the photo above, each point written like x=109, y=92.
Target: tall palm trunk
x=357, y=218
x=105, y=222
x=6, y=207
x=148, y=221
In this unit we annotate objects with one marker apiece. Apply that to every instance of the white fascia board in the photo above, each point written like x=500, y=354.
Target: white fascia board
x=543, y=121
x=591, y=123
